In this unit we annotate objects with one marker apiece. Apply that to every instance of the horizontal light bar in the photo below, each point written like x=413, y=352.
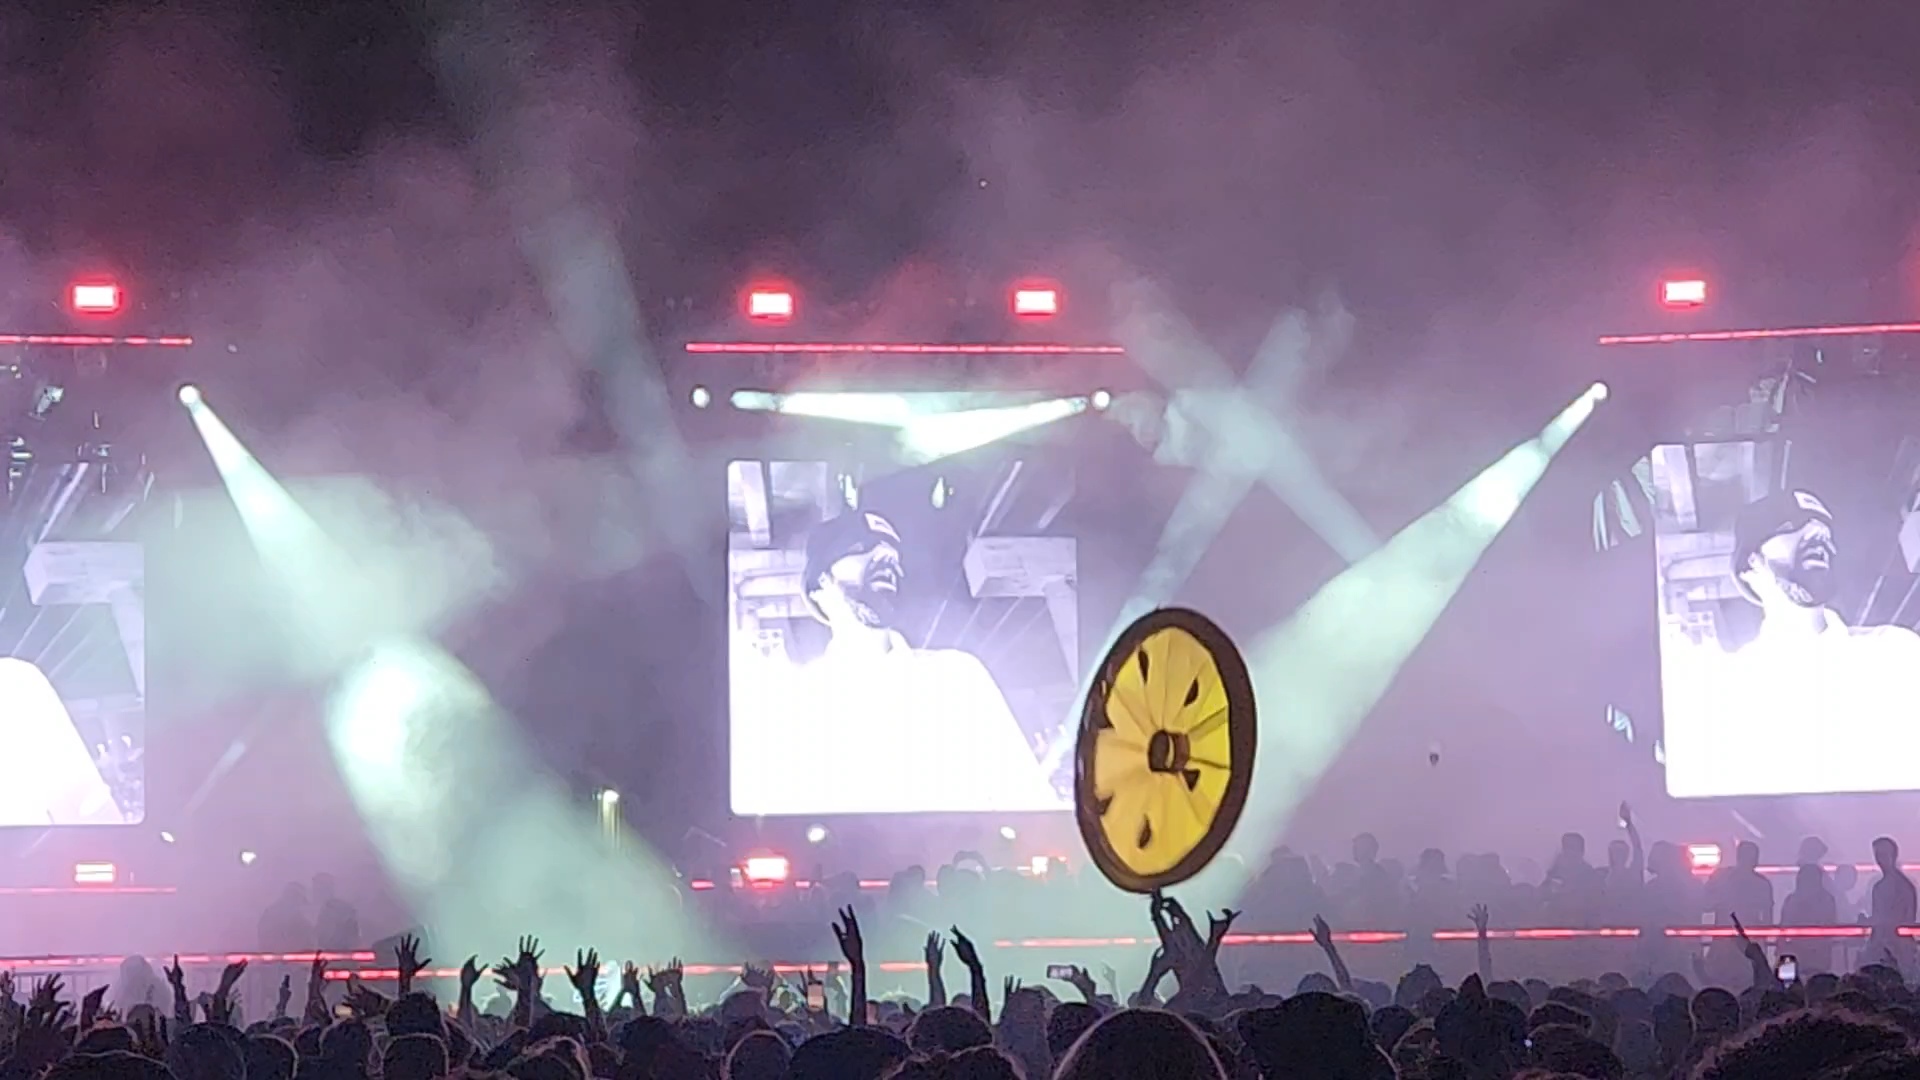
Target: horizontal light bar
x=730, y=970
x=1850, y=330
x=188, y=959
x=95, y=298
x=95, y=873
x=177, y=341
x=750, y=348
x=771, y=305
x=1036, y=301
x=1682, y=294
x=75, y=890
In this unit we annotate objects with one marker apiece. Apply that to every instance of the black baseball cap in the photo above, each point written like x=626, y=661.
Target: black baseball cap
x=852, y=533
x=1768, y=517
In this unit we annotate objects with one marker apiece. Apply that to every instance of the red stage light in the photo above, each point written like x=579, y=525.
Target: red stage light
x=95, y=873
x=767, y=869
x=1036, y=301
x=96, y=340
x=770, y=305
x=95, y=297
x=1688, y=293
x=1704, y=856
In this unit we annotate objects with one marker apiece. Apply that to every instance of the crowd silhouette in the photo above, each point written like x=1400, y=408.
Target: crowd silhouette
x=1729, y=1010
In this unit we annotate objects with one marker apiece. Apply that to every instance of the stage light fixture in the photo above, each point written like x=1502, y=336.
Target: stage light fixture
x=95, y=873
x=1600, y=391
x=770, y=305
x=816, y=834
x=1039, y=865
x=189, y=395
x=166, y=837
x=94, y=297
x=766, y=869
x=701, y=397
x=1683, y=293
x=1007, y=833
x=248, y=858
x=1100, y=399
x=1036, y=301
x=609, y=797
x=1703, y=856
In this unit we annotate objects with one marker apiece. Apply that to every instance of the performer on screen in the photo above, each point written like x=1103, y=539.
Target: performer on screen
x=908, y=729
x=1814, y=705
x=46, y=775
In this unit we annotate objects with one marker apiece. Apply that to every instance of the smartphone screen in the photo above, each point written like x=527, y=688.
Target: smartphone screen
x=1059, y=971
x=816, y=997
x=1789, y=970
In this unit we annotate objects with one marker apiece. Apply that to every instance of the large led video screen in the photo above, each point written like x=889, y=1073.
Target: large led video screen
x=906, y=643
x=72, y=684
x=1789, y=600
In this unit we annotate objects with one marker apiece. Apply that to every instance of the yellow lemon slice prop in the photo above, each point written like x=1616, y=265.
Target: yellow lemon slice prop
x=1165, y=755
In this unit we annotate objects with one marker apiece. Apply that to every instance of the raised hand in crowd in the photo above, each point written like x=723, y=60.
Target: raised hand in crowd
x=846, y=930
x=669, y=988
x=220, y=1006
x=182, y=1004
x=809, y=979
x=630, y=987
x=758, y=977
x=1158, y=968
x=1483, y=948
x=366, y=1002
x=585, y=977
x=521, y=975
x=283, y=998
x=935, y=953
x=1078, y=978
x=1764, y=976
x=44, y=1034
x=408, y=961
x=150, y=1033
x=317, y=1011
x=976, y=973
x=92, y=1006
x=470, y=973
x=1195, y=961
x=1323, y=937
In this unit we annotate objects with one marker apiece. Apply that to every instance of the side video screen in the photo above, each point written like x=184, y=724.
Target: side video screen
x=73, y=684
x=903, y=644
x=1789, y=600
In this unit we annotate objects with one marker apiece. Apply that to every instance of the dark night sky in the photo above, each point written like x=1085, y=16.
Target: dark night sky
x=1417, y=155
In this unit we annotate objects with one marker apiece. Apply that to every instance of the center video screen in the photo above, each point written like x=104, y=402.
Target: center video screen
x=72, y=682
x=901, y=644
x=1788, y=601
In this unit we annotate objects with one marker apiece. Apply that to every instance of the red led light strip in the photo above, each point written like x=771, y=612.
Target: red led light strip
x=177, y=341
x=900, y=348
x=1761, y=335
x=87, y=890
x=1361, y=937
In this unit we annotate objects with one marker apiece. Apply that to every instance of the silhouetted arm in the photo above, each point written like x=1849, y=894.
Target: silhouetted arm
x=1482, y=948
x=1323, y=936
